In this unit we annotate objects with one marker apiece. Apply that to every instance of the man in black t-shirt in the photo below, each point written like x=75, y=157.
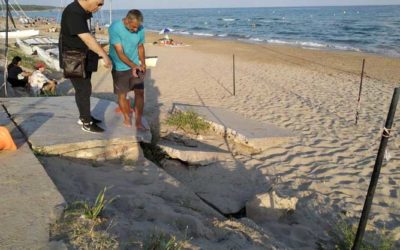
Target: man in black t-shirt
x=75, y=34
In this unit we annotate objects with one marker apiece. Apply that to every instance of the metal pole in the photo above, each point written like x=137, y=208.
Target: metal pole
x=359, y=94
x=376, y=171
x=110, y=12
x=234, y=76
x=6, y=50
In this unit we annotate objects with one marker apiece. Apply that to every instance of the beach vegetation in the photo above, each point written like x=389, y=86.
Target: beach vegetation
x=345, y=233
x=162, y=241
x=81, y=226
x=93, y=211
x=188, y=121
x=38, y=151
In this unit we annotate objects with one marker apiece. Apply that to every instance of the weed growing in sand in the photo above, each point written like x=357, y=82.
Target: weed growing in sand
x=188, y=121
x=345, y=233
x=82, y=228
x=40, y=152
x=92, y=212
x=162, y=241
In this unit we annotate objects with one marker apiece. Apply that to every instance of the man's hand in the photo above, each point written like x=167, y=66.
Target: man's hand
x=143, y=68
x=107, y=62
x=134, y=71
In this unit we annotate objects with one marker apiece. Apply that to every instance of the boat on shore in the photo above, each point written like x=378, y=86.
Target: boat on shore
x=19, y=34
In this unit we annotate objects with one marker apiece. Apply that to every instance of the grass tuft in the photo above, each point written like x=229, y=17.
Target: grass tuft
x=189, y=120
x=162, y=241
x=345, y=233
x=82, y=228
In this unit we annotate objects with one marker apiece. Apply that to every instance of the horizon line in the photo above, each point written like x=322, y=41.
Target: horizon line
x=253, y=7
x=248, y=7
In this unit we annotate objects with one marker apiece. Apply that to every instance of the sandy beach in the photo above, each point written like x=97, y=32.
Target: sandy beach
x=312, y=93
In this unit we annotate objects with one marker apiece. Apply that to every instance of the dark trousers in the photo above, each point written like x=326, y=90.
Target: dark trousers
x=83, y=91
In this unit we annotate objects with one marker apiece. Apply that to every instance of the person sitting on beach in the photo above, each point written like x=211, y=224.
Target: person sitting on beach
x=18, y=78
x=40, y=84
x=129, y=66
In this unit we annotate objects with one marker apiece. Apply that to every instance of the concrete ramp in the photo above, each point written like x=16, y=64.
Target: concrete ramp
x=29, y=201
x=50, y=124
x=243, y=130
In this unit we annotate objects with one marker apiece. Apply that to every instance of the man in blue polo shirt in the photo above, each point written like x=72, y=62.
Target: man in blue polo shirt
x=129, y=66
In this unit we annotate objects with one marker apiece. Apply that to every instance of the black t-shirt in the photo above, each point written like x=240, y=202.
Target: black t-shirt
x=74, y=21
x=13, y=72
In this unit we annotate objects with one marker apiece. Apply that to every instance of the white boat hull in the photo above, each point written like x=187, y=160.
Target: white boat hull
x=24, y=47
x=47, y=58
x=20, y=34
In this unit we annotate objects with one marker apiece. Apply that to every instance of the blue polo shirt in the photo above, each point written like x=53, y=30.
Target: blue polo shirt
x=130, y=41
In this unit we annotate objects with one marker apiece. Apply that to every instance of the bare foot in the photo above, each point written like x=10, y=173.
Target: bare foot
x=128, y=123
x=141, y=127
x=118, y=110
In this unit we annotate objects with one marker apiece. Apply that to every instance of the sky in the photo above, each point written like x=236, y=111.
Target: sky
x=167, y=4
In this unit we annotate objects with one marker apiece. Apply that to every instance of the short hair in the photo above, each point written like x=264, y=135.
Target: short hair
x=135, y=15
x=14, y=61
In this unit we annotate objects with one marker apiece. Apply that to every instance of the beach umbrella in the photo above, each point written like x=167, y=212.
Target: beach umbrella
x=165, y=31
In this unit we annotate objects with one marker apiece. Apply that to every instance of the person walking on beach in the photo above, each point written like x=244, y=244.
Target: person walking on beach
x=129, y=66
x=75, y=34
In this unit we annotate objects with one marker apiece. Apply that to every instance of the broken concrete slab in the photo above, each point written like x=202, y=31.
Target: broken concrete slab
x=50, y=124
x=240, y=129
x=29, y=201
x=196, y=154
x=269, y=207
x=227, y=186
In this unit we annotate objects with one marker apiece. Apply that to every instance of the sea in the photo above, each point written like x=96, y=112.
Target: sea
x=371, y=29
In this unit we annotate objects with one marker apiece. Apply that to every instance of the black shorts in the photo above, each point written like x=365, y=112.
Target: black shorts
x=125, y=82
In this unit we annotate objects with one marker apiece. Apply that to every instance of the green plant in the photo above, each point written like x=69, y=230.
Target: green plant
x=344, y=235
x=162, y=241
x=188, y=120
x=82, y=234
x=92, y=212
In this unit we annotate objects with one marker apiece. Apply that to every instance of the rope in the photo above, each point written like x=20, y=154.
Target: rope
x=23, y=12
x=386, y=132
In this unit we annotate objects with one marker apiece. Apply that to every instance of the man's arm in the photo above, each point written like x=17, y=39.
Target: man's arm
x=142, y=57
x=120, y=52
x=93, y=45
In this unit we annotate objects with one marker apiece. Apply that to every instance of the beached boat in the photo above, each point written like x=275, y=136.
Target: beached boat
x=24, y=47
x=50, y=60
x=20, y=34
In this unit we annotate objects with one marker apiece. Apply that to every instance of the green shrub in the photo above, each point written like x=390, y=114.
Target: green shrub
x=345, y=233
x=162, y=241
x=188, y=121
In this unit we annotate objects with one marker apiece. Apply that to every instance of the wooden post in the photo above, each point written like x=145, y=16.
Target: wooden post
x=360, y=91
x=376, y=171
x=234, y=76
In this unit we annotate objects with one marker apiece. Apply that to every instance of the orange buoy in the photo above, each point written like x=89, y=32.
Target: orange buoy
x=6, y=141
